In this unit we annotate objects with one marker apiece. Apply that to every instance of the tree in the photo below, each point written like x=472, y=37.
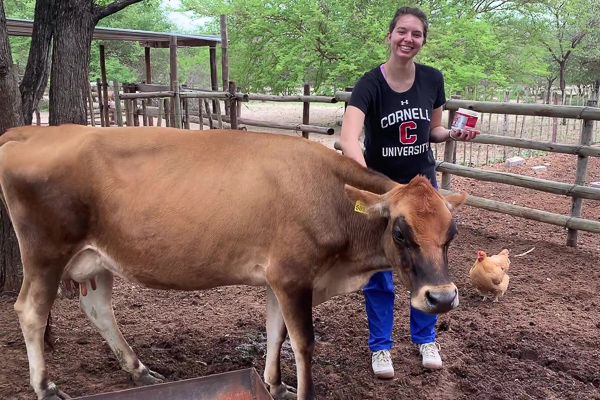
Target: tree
x=561, y=26
x=279, y=45
x=11, y=117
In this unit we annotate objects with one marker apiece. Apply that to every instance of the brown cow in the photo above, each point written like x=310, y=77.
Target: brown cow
x=174, y=209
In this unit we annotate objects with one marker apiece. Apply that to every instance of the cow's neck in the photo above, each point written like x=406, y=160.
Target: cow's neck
x=352, y=268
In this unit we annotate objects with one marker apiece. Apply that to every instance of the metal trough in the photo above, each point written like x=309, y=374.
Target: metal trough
x=244, y=384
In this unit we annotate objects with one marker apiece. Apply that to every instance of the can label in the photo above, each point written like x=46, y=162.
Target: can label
x=464, y=118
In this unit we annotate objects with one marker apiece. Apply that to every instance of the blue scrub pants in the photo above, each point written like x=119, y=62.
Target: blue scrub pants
x=379, y=300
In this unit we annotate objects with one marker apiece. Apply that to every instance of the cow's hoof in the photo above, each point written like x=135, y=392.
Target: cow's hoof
x=282, y=391
x=149, y=377
x=55, y=394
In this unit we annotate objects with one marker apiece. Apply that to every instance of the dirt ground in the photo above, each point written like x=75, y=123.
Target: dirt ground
x=541, y=341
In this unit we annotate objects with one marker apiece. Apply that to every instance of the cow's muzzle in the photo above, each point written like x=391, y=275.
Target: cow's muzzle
x=436, y=299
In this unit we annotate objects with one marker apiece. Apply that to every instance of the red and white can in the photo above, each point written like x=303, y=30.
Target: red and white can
x=465, y=118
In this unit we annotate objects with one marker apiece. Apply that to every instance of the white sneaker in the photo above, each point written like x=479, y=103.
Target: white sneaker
x=431, y=355
x=382, y=364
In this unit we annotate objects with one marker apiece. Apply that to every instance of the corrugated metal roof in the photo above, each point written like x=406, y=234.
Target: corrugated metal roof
x=23, y=27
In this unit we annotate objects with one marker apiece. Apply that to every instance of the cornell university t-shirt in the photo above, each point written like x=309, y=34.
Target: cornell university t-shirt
x=397, y=124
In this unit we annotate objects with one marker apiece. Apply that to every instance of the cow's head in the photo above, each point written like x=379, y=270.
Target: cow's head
x=419, y=230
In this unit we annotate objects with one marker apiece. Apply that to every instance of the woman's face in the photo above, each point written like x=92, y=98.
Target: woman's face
x=407, y=37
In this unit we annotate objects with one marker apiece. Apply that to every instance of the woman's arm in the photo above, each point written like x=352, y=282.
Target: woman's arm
x=352, y=126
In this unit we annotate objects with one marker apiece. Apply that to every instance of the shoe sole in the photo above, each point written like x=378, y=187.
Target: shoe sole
x=385, y=375
x=432, y=366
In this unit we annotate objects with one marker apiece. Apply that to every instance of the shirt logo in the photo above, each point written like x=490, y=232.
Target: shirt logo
x=407, y=137
x=404, y=102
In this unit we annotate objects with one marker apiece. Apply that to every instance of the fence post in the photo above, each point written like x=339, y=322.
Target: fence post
x=99, y=89
x=554, y=120
x=306, y=110
x=449, y=148
x=177, y=105
x=117, y=103
x=233, y=106
x=586, y=139
x=92, y=115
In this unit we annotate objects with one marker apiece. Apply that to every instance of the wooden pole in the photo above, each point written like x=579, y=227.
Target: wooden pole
x=213, y=72
x=144, y=115
x=210, y=121
x=200, y=101
x=449, y=148
x=306, y=110
x=582, y=161
x=505, y=124
x=99, y=89
x=134, y=112
x=148, y=79
x=219, y=116
x=168, y=120
x=118, y=103
x=174, y=79
x=546, y=110
x=530, y=213
x=233, y=111
x=554, y=120
x=186, y=112
x=92, y=114
x=126, y=103
x=225, y=58
x=238, y=102
x=177, y=106
x=160, y=112
x=104, y=86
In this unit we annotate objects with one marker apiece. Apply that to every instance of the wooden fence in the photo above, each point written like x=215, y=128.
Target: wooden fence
x=174, y=108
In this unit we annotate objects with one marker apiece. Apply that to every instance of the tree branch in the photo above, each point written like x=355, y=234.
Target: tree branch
x=109, y=9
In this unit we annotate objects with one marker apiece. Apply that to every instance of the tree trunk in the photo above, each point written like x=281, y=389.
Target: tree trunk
x=73, y=32
x=10, y=104
x=38, y=64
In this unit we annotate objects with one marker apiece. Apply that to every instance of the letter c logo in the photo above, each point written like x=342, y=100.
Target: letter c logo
x=405, y=137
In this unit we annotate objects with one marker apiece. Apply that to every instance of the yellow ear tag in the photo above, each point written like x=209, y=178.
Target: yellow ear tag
x=360, y=207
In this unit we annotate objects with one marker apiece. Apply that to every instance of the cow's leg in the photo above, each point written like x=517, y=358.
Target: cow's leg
x=97, y=305
x=33, y=305
x=276, y=332
x=296, y=308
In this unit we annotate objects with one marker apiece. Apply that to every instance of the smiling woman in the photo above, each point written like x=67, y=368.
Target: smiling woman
x=399, y=103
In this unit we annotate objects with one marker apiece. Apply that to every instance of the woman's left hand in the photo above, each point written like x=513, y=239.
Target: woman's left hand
x=465, y=134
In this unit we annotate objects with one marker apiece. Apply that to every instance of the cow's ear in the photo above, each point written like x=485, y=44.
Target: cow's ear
x=454, y=201
x=367, y=203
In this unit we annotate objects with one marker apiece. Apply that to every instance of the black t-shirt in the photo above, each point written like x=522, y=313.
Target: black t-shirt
x=397, y=124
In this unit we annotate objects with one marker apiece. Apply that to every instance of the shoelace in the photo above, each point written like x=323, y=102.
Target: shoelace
x=430, y=349
x=382, y=357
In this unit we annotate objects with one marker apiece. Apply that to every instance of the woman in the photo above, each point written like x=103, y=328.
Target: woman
x=399, y=103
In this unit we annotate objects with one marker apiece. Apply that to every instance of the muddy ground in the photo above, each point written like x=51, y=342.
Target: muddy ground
x=541, y=341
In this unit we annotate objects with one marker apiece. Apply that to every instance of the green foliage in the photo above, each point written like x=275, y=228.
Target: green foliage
x=276, y=46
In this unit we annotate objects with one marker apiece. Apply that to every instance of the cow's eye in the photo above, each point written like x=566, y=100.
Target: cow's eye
x=398, y=236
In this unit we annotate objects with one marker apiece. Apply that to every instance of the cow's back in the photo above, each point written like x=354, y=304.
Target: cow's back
x=160, y=201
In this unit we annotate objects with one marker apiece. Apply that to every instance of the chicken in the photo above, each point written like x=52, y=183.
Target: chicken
x=489, y=274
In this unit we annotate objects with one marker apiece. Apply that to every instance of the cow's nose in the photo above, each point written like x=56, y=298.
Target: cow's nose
x=442, y=301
